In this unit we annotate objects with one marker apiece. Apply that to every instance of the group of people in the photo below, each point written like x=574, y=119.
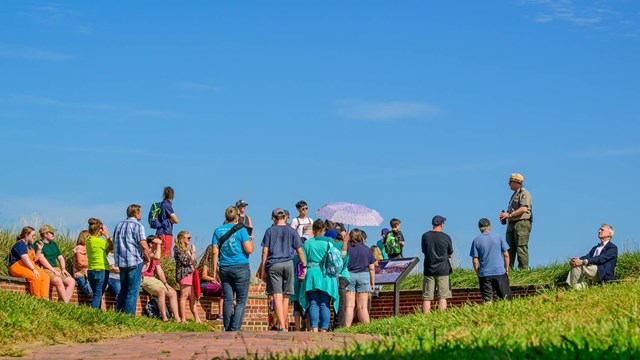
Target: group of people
x=292, y=262
x=493, y=256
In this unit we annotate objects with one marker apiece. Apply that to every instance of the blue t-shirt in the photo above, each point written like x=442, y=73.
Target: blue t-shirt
x=360, y=257
x=19, y=248
x=488, y=248
x=165, y=215
x=231, y=252
x=282, y=241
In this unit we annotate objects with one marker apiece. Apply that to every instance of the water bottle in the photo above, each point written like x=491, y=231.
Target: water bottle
x=503, y=221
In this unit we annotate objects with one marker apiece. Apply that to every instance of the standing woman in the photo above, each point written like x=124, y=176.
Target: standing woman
x=98, y=246
x=22, y=263
x=231, y=249
x=317, y=288
x=362, y=273
x=185, y=256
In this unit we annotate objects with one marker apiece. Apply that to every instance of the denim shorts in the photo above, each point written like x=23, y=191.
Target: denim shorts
x=359, y=282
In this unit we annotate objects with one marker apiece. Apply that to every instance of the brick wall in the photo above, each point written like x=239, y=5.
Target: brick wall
x=256, y=314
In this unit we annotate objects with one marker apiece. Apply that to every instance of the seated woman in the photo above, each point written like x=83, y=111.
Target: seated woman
x=184, y=254
x=81, y=263
x=49, y=258
x=158, y=287
x=209, y=280
x=22, y=263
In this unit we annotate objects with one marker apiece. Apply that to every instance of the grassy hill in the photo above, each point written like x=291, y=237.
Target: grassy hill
x=602, y=322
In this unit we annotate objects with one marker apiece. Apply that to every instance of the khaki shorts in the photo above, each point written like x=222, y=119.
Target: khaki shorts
x=52, y=275
x=429, y=285
x=152, y=284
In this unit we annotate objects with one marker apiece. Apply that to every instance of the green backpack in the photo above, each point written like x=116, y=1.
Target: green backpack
x=392, y=244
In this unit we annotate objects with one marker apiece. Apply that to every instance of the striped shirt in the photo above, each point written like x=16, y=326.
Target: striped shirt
x=126, y=240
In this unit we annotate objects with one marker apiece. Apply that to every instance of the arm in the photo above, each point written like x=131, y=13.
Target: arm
x=261, y=269
x=216, y=256
x=113, y=268
x=505, y=255
x=63, y=265
x=249, y=221
x=204, y=274
x=146, y=252
x=45, y=264
x=157, y=254
x=174, y=218
x=608, y=254
x=247, y=246
x=476, y=265
x=81, y=260
x=161, y=276
x=28, y=264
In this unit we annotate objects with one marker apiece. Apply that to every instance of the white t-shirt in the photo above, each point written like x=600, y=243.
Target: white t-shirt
x=299, y=223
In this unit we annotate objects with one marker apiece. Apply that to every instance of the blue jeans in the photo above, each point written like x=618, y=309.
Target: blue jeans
x=98, y=281
x=114, y=284
x=83, y=284
x=235, y=281
x=130, y=278
x=319, y=309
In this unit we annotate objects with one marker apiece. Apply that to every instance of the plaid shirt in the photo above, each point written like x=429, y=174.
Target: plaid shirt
x=126, y=240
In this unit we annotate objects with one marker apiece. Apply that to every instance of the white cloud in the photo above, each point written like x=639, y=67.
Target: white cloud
x=596, y=15
x=19, y=52
x=389, y=110
x=201, y=87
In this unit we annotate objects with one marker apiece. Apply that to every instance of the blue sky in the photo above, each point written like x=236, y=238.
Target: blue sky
x=413, y=108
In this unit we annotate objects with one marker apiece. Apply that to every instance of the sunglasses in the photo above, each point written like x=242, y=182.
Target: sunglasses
x=188, y=238
x=303, y=208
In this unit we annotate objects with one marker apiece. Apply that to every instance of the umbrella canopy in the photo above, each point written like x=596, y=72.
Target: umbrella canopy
x=350, y=213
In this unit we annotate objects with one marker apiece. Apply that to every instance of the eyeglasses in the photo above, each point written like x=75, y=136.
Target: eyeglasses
x=188, y=238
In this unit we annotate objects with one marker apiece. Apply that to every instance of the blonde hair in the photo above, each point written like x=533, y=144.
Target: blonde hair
x=180, y=241
x=82, y=237
x=375, y=250
x=231, y=214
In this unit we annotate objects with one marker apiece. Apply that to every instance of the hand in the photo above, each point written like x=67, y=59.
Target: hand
x=373, y=287
x=105, y=231
x=57, y=272
x=36, y=273
x=40, y=245
x=503, y=215
x=66, y=273
x=575, y=262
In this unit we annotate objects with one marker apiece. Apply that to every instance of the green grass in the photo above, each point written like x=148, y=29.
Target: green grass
x=25, y=319
x=600, y=322
x=628, y=268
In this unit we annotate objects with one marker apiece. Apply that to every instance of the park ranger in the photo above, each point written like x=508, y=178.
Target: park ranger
x=518, y=218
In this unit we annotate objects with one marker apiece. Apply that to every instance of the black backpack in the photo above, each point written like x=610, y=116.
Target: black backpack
x=152, y=309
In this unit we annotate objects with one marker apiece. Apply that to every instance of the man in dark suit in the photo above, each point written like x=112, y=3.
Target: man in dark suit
x=599, y=264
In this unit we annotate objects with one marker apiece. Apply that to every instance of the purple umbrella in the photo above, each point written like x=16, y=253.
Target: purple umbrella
x=350, y=213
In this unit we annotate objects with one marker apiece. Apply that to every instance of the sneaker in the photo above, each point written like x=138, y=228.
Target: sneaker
x=220, y=317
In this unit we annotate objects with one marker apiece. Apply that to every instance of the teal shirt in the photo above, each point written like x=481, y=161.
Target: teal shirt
x=314, y=251
x=382, y=250
x=345, y=272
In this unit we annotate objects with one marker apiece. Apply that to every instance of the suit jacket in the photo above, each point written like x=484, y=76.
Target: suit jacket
x=606, y=261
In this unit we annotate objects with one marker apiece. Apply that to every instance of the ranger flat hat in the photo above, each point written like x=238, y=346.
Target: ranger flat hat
x=517, y=178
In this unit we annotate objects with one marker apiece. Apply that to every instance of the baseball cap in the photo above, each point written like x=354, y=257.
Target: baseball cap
x=277, y=212
x=338, y=228
x=438, y=220
x=384, y=231
x=47, y=228
x=331, y=233
x=517, y=178
x=241, y=203
x=484, y=222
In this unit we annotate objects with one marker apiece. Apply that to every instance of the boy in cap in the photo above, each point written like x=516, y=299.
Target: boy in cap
x=437, y=248
x=276, y=268
x=519, y=218
x=491, y=262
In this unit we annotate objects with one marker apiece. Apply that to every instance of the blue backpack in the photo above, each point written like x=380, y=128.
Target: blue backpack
x=154, y=215
x=332, y=262
x=152, y=309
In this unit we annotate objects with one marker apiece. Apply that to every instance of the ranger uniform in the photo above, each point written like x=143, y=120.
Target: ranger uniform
x=519, y=226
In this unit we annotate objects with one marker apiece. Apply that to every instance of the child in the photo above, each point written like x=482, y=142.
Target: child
x=375, y=250
x=394, y=242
